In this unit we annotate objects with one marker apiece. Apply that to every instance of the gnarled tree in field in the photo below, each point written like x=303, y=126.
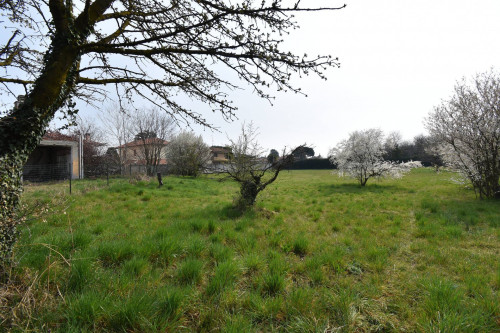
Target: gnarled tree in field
x=251, y=169
x=154, y=49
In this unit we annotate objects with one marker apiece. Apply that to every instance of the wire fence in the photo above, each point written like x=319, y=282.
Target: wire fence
x=37, y=173
x=40, y=173
x=67, y=172
x=46, y=172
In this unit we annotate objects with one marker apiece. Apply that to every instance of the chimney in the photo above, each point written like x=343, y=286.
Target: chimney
x=20, y=100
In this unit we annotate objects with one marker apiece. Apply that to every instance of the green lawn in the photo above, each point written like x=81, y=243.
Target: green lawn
x=319, y=253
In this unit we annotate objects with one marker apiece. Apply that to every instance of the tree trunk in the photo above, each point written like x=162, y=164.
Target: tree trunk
x=22, y=129
x=248, y=191
x=492, y=186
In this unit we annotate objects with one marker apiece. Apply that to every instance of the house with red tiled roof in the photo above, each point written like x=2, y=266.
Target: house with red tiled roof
x=138, y=152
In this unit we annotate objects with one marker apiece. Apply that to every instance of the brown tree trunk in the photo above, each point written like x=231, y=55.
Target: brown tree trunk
x=22, y=130
x=248, y=192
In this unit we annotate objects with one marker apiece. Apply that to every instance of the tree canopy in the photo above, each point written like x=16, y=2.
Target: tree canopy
x=187, y=154
x=153, y=49
x=143, y=135
x=303, y=152
x=273, y=156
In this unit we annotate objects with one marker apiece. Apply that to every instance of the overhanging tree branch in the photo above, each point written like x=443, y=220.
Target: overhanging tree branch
x=86, y=80
x=17, y=81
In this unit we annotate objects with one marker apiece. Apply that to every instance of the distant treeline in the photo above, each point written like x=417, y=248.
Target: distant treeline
x=422, y=148
x=312, y=164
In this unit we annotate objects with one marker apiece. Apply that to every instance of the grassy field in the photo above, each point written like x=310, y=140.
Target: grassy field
x=319, y=253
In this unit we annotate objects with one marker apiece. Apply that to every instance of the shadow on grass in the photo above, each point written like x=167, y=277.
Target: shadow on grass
x=230, y=212
x=356, y=188
x=223, y=212
x=469, y=212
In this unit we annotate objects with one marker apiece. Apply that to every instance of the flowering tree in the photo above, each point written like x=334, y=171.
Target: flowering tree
x=187, y=154
x=361, y=157
x=468, y=128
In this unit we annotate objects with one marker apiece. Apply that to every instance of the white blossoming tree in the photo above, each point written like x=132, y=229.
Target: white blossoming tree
x=468, y=128
x=361, y=157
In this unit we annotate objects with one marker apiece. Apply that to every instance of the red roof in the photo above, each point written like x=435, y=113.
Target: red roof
x=58, y=136
x=148, y=141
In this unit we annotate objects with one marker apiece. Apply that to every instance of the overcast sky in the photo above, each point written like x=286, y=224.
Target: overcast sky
x=399, y=58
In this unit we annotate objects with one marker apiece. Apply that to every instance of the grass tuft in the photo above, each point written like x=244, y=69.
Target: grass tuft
x=225, y=275
x=300, y=246
x=80, y=276
x=114, y=253
x=189, y=271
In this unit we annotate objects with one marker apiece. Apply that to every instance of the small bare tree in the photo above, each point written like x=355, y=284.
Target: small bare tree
x=153, y=128
x=118, y=126
x=187, y=154
x=250, y=167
